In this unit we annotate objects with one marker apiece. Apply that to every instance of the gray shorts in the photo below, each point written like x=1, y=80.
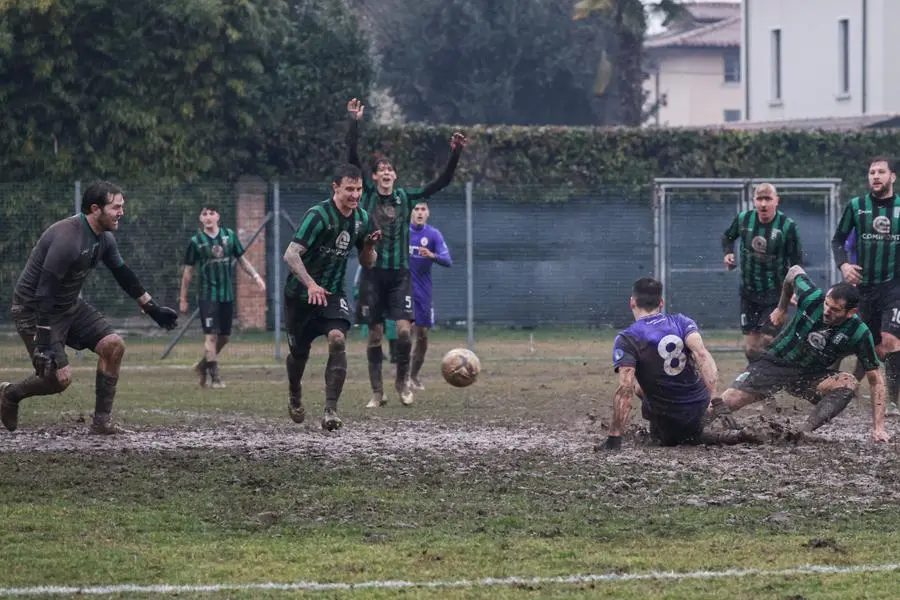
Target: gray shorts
x=81, y=327
x=767, y=378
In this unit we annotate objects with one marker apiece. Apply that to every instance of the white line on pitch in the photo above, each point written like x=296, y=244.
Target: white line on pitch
x=313, y=586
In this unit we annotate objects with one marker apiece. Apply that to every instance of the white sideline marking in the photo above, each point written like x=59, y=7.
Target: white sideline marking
x=312, y=586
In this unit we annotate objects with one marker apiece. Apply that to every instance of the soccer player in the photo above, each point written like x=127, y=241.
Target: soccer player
x=49, y=313
x=800, y=360
x=875, y=217
x=769, y=245
x=385, y=288
x=211, y=251
x=390, y=326
x=675, y=374
x=315, y=298
x=426, y=248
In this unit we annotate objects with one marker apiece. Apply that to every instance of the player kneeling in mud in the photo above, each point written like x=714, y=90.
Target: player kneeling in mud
x=801, y=360
x=661, y=359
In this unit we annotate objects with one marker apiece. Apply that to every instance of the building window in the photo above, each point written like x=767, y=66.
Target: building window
x=732, y=114
x=732, y=59
x=776, y=65
x=844, y=56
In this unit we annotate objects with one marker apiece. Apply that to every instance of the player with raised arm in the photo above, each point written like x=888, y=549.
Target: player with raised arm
x=769, y=245
x=875, y=217
x=426, y=248
x=801, y=359
x=211, y=252
x=661, y=358
x=385, y=288
x=315, y=295
x=50, y=314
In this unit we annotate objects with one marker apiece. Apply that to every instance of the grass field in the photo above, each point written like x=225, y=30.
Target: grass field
x=499, y=480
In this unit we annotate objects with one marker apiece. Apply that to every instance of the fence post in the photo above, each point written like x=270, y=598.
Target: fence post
x=77, y=197
x=276, y=238
x=470, y=270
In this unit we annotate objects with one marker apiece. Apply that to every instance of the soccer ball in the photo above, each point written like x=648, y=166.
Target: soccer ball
x=460, y=367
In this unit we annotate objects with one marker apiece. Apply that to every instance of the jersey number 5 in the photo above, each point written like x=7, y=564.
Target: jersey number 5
x=671, y=350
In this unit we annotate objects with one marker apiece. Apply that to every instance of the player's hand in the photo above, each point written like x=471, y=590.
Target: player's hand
x=43, y=360
x=613, y=442
x=777, y=317
x=374, y=237
x=458, y=141
x=260, y=282
x=730, y=263
x=721, y=411
x=317, y=294
x=880, y=435
x=183, y=306
x=426, y=253
x=356, y=108
x=852, y=273
x=164, y=316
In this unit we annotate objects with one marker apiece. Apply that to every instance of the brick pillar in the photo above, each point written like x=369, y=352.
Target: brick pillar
x=251, y=212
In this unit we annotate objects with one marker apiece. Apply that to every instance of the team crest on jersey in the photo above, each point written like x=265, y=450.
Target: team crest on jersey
x=217, y=251
x=759, y=244
x=424, y=241
x=618, y=354
x=775, y=234
x=840, y=338
x=343, y=241
x=817, y=340
x=881, y=224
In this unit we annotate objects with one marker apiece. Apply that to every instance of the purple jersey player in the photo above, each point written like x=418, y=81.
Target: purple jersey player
x=676, y=375
x=426, y=247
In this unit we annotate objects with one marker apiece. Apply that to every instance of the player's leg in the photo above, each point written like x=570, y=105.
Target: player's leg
x=424, y=315
x=889, y=346
x=11, y=394
x=375, y=360
x=207, y=311
x=761, y=380
x=370, y=309
x=390, y=332
x=335, y=372
x=869, y=312
x=400, y=309
x=753, y=320
x=297, y=314
x=224, y=317
x=90, y=330
x=831, y=397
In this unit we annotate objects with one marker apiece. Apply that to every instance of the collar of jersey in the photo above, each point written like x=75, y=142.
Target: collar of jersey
x=88, y=226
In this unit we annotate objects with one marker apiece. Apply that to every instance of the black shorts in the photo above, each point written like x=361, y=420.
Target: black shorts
x=305, y=322
x=384, y=294
x=755, y=315
x=81, y=327
x=216, y=317
x=767, y=378
x=879, y=308
x=672, y=430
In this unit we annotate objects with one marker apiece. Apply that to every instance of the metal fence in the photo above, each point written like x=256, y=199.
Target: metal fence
x=538, y=256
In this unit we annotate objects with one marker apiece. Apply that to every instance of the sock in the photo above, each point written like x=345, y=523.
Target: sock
x=892, y=375
x=33, y=386
x=375, y=355
x=404, y=347
x=295, y=367
x=335, y=374
x=392, y=351
x=212, y=367
x=418, y=358
x=105, y=389
x=829, y=407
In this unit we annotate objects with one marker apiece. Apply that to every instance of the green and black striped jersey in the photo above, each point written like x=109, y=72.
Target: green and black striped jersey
x=391, y=214
x=809, y=343
x=877, y=225
x=213, y=257
x=328, y=237
x=767, y=251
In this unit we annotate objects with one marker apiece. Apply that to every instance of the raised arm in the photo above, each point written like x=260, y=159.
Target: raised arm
x=705, y=363
x=457, y=143
x=787, y=291
x=355, y=108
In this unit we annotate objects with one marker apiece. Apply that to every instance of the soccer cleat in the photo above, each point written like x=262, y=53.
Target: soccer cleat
x=415, y=384
x=331, y=422
x=296, y=410
x=107, y=428
x=377, y=400
x=217, y=383
x=892, y=410
x=9, y=410
x=200, y=370
x=406, y=394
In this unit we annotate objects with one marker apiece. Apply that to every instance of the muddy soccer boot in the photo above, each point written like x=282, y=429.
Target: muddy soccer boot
x=295, y=409
x=377, y=400
x=200, y=370
x=9, y=410
x=331, y=422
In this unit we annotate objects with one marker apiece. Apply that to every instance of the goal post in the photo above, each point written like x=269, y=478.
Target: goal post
x=691, y=214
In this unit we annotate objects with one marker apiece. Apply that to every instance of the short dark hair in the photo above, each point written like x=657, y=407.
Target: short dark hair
x=209, y=206
x=846, y=292
x=381, y=159
x=346, y=171
x=100, y=193
x=891, y=162
x=647, y=293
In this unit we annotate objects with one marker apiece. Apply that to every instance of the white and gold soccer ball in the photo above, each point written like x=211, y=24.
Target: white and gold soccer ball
x=460, y=367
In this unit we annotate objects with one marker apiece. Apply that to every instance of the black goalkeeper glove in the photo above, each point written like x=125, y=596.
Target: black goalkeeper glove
x=164, y=316
x=613, y=442
x=43, y=360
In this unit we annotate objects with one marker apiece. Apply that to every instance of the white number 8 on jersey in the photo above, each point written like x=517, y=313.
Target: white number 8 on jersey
x=671, y=350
